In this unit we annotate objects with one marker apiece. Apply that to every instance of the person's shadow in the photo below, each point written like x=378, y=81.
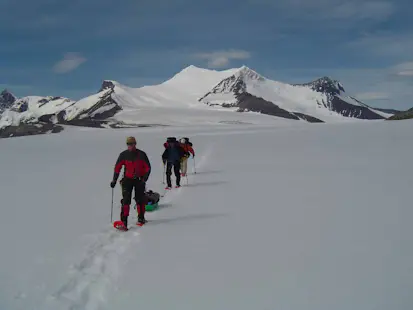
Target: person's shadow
x=197, y=184
x=189, y=217
x=206, y=172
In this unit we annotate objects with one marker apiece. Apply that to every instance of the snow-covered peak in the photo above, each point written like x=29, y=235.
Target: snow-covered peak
x=248, y=74
x=326, y=85
x=237, y=82
x=196, y=75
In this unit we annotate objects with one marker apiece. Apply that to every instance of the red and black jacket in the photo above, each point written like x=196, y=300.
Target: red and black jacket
x=136, y=163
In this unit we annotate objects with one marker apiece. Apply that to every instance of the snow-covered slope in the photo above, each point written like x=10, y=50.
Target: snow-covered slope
x=240, y=88
x=304, y=218
x=181, y=91
x=33, y=107
x=190, y=97
x=322, y=99
x=32, y=115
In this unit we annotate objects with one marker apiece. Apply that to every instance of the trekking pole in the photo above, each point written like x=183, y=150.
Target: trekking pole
x=111, y=209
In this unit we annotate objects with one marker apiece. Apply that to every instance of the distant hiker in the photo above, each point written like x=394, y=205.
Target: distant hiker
x=136, y=173
x=187, y=146
x=171, y=157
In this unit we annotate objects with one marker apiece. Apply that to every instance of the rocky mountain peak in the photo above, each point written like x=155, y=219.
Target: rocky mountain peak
x=326, y=85
x=107, y=84
x=6, y=99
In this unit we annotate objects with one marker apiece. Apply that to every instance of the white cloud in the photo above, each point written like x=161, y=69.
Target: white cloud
x=69, y=63
x=404, y=69
x=221, y=59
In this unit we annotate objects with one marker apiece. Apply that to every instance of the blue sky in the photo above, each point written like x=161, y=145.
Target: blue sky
x=66, y=48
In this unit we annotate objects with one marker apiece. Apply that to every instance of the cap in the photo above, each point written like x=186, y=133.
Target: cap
x=130, y=140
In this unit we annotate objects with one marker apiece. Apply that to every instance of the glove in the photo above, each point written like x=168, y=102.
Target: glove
x=112, y=184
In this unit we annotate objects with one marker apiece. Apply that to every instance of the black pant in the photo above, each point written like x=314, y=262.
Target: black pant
x=177, y=166
x=127, y=187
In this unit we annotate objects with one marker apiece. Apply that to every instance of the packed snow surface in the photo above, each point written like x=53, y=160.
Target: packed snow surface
x=288, y=217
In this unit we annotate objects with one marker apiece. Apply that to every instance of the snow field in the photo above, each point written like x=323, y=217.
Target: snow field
x=307, y=217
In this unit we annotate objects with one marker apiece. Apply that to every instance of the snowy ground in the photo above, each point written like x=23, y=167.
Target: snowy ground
x=296, y=217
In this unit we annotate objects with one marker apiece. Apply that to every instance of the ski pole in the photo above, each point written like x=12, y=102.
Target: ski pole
x=111, y=209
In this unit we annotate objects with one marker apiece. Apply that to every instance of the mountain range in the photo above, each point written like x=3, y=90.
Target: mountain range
x=192, y=96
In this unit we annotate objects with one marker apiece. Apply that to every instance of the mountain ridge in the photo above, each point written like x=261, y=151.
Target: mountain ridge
x=195, y=91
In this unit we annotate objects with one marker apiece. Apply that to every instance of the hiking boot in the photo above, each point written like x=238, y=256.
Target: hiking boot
x=124, y=219
x=141, y=221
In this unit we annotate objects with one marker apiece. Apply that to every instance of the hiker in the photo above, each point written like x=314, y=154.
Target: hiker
x=136, y=173
x=187, y=146
x=171, y=157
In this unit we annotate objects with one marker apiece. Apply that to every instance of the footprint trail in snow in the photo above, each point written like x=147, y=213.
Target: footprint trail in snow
x=96, y=275
x=90, y=279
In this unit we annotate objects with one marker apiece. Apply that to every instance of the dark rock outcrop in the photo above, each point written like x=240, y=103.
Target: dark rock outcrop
x=248, y=102
x=325, y=85
x=27, y=129
x=308, y=118
x=349, y=110
x=402, y=115
x=7, y=99
x=107, y=85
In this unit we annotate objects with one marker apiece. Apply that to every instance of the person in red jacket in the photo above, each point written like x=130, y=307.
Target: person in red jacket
x=187, y=146
x=136, y=173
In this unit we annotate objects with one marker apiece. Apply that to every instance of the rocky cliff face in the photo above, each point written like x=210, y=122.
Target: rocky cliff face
x=338, y=102
x=7, y=99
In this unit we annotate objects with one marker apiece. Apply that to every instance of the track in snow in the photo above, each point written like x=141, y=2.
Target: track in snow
x=92, y=278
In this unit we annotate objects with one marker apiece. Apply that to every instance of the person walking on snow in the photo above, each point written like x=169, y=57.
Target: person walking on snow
x=187, y=146
x=136, y=173
x=171, y=157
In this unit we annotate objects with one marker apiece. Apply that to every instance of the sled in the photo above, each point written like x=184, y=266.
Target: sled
x=151, y=206
x=152, y=201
